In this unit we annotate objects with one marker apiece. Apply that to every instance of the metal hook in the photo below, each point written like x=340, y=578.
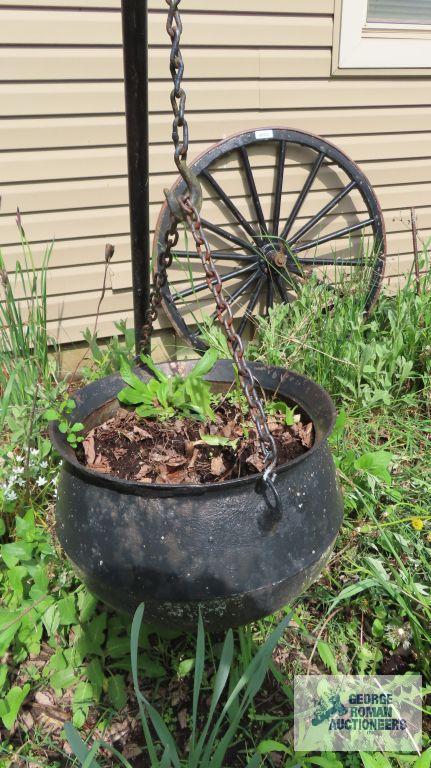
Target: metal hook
x=265, y=484
x=194, y=192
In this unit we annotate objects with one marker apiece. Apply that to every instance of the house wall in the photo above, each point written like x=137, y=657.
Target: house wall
x=249, y=64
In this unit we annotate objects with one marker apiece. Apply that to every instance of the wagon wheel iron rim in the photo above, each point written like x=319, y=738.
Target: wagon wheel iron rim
x=269, y=256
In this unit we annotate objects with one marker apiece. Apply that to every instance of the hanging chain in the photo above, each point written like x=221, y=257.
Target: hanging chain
x=186, y=208
x=159, y=281
x=178, y=101
x=225, y=318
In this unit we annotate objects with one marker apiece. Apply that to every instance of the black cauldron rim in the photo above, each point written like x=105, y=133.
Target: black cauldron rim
x=263, y=373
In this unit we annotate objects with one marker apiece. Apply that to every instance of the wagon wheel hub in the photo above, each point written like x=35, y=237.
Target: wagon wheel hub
x=280, y=259
x=274, y=255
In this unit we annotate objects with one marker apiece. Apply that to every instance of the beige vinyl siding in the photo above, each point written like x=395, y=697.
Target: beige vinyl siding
x=248, y=65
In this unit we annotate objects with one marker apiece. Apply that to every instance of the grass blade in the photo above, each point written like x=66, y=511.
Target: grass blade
x=134, y=650
x=221, y=679
x=79, y=747
x=199, y=671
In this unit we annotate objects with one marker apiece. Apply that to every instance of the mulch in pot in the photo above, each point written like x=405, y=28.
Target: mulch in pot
x=175, y=452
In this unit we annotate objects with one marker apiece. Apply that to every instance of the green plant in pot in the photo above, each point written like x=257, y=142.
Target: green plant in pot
x=166, y=397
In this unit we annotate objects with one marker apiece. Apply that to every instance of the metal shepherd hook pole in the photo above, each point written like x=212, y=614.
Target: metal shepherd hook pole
x=135, y=53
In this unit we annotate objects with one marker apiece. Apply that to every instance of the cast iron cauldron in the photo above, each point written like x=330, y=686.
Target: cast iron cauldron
x=218, y=547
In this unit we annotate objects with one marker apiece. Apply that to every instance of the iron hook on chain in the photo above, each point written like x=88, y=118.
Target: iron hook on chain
x=266, y=487
x=194, y=193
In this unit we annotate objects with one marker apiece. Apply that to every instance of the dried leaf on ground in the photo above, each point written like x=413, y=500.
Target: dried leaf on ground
x=101, y=464
x=119, y=452
x=218, y=466
x=159, y=458
x=228, y=429
x=132, y=750
x=182, y=718
x=143, y=472
x=177, y=461
x=307, y=435
x=89, y=449
x=142, y=433
x=256, y=461
x=45, y=699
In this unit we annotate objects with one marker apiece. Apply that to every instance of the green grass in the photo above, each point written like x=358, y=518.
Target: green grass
x=370, y=609
x=378, y=372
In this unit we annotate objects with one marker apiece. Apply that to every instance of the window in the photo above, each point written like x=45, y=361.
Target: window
x=399, y=11
x=375, y=36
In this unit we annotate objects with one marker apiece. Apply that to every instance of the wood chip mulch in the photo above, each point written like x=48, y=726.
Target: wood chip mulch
x=174, y=451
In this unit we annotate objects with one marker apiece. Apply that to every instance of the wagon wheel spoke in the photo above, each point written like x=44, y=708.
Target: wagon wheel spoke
x=225, y=235
x=295, y=266
x=243, y=288
x=303, y=194
x=322, y=213
x=285, y=295
x=250, y=306
x=328, y=261
x=332, y=236
x=269, y=294
x=223, y=255
x=204, y=286
x=253, y=191
x=231, y=206
x=279, y=188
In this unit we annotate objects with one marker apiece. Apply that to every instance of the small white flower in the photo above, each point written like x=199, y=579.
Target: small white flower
x=10, y=495
x=20, y=481
x=18, y=458
x=18, y=470
x=34, y=452
x=43, y=464
x=40, y=481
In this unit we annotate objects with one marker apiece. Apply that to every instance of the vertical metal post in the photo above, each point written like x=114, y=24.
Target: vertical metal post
x=135, y=54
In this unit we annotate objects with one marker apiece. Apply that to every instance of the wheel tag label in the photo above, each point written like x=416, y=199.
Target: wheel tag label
x=264, y=134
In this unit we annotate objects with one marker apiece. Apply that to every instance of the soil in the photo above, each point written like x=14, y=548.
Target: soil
x=173, y=451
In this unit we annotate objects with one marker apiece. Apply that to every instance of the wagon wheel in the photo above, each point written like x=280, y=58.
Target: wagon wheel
x=279, y=206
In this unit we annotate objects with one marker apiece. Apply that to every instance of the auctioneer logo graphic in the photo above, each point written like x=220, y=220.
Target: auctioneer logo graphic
x=349, y=713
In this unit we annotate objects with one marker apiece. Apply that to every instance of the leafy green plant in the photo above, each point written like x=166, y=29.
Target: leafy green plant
x=71, y=430
x=208, y=745
x=107, y=358
x=86, y=650
x=27, y=602
x=279, y=406
x=164, y=397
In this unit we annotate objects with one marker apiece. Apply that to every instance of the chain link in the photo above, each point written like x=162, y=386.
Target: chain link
x=159, y=281
x=174, y=29
x=186, y=208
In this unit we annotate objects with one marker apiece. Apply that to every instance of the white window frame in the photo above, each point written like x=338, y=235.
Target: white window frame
x=361, y=47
